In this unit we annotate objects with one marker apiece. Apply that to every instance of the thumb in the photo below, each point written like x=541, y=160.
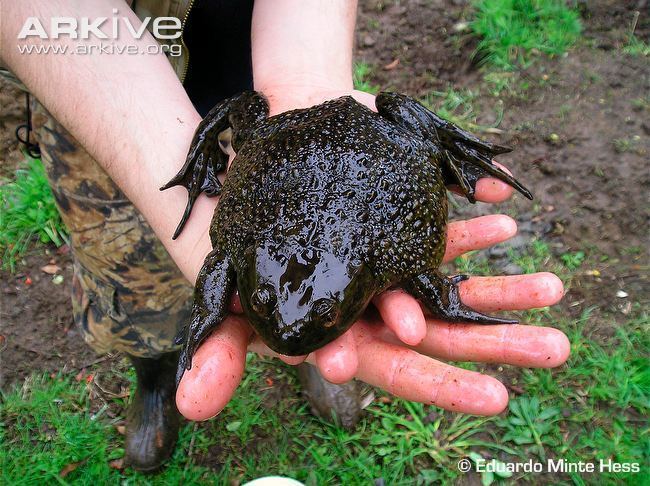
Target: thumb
x=217, y=368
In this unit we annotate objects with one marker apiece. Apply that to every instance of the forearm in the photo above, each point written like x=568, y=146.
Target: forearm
x=130, y=112
x=302, y=49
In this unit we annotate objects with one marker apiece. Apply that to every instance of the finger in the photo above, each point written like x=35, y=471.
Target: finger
x=529, y=346
x=403, y=315
x=258, y=346
x=478, y=233
x=491, y=190
x=217, y=368
x=516, y=292
x=338, y=360
x=412, y=376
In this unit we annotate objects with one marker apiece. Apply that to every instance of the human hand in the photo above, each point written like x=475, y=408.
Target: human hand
x=397, y=356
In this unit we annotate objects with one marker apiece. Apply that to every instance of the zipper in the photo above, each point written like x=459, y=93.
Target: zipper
x=187, y=51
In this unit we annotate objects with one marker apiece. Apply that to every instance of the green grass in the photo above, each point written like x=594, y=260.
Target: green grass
x=498, y=82
x=530, y=423
x=513, y=33
x=47, y=425
x=636, y=47
x=28, y=213
x=454, y=105
x=641, y=103
x=457, y=106
x=604, y=392
x=628, y=144
x=360, y=78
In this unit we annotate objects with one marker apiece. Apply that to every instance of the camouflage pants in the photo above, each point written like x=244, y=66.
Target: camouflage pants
x=128, y=295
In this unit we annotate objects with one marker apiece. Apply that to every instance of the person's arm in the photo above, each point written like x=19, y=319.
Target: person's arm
x=130, y=112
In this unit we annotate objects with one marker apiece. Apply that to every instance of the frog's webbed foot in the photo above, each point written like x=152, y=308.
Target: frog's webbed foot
x=204, y=161
x=465, y=159
x=205, y=158
x=214, y=286
x=439, y=294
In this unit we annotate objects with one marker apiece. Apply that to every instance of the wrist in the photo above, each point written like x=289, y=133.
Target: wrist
x=302, y=50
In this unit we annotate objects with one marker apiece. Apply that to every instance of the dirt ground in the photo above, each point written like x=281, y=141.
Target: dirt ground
x=591, y=191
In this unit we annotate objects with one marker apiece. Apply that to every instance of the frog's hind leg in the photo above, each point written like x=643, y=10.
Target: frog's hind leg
x=205, y=158
x=440, y=296
x=465, y=158
x=214, y=287
x=204, y=161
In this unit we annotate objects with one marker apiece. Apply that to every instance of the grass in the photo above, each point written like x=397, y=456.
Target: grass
x=457, y=106
x=360, y=77
x=513, y=33
x=530, y=423
x=48, y=430
x=593, y=408
x=636, y=47
x=454, y=105
x=28, y=213
x=641, y=103
x=498, y=82
x=628, y=144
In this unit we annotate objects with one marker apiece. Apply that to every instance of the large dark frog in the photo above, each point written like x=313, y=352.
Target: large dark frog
x=323, y=208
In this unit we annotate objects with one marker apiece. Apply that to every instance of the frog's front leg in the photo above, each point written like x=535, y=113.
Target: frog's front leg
x=214, y=287
x=464, y=157
x=205, y=158
x=440, y=296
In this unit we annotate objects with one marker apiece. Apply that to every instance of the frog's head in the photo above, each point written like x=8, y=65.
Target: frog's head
x=301, y=302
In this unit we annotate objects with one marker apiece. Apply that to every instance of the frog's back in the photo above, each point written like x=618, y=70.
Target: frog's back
x=367, y=191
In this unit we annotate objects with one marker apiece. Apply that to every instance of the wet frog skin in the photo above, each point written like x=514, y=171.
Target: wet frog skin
x=323, y=208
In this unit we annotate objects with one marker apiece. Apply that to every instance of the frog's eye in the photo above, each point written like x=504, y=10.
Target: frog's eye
x=261, y=299
x=325, y=311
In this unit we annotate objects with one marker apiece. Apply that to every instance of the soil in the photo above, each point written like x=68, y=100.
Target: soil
x=37, y=321
x=591, y=193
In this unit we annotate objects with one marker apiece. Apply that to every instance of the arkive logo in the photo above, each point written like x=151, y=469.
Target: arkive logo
x=99, y=28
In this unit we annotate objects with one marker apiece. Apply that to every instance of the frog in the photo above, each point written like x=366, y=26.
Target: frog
x=323, y=208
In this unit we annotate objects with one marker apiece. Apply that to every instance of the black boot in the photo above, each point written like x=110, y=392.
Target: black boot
x=342, y=403
x=152, y=419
